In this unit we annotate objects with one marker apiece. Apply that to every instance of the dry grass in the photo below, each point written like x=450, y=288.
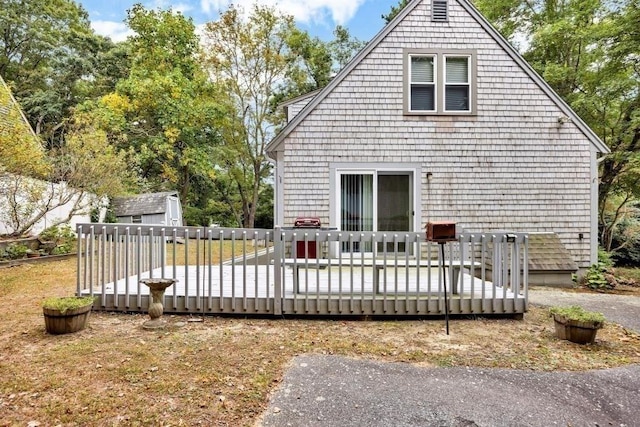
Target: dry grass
x=220, y=371
x=198, y=252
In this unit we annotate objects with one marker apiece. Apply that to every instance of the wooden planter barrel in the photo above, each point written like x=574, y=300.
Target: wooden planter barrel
x=73, y=320
x=576, y=331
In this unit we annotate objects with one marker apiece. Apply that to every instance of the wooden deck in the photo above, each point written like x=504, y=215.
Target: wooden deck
x=224, y=272
x=198, y=290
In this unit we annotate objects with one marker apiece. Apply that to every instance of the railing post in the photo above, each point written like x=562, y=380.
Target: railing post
x=278, y=284
x=79, y=237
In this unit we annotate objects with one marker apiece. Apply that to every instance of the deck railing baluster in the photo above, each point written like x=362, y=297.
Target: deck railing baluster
x=111, y=256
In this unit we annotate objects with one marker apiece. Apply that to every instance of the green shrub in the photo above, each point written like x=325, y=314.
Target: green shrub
x=16, y=251
x=63, y=237
x=595, y=278
x=599, y=276
x=604, y=258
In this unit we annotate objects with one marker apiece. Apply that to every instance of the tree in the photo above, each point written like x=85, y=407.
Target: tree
x=165, y=110
x=343, y=47
x=48, y=52
x=617, y=119
x=394, y=11
x=313, y=64
x=80, y=174
x=249, y=56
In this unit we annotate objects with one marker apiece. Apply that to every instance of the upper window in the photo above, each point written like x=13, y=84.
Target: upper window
x=439, y=83
x=456, y=85
x=423, y=84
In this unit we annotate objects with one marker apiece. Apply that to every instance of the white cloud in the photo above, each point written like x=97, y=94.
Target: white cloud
x=307, y=12
x=116, y=31
x=165, y=4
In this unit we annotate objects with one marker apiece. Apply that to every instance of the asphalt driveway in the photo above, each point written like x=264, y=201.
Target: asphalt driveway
x=337, y=391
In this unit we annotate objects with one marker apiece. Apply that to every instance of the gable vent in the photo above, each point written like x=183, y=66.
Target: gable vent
x=439, y=11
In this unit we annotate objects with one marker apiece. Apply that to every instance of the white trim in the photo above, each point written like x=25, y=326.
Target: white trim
x=278, y=218
x=469, y=83
x=413, y=170
x=595, y=183
x=435, y=81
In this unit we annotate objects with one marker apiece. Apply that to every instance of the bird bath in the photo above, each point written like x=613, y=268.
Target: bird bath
x=157, y=286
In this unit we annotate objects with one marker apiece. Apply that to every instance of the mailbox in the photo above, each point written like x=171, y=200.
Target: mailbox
x=441, y=231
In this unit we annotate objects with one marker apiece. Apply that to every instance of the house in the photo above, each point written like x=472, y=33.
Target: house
x=149, y=208
x=11, y=115
x=29, y=204
x=440, y=118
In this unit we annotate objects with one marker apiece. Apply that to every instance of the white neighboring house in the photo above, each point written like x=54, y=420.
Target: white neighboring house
x=57, y=204
x=25, y=200
x=438, y=117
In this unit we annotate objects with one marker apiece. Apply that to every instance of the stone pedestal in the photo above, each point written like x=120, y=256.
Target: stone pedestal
x=157, y=286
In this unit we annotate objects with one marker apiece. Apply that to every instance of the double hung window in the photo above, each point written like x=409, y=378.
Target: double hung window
x=456, y=83
x=439, y=83
x=423, y=83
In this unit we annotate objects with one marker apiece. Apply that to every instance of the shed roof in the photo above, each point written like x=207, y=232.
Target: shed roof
x=276, y=143
x=142, y=204
x=547, y=253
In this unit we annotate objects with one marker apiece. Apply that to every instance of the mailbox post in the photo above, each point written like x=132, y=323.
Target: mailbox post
x=442, y=232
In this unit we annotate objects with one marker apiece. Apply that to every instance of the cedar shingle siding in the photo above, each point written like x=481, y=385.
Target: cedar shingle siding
x=511, y=166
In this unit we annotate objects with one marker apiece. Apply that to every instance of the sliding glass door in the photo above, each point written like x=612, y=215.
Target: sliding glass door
x=375, y=201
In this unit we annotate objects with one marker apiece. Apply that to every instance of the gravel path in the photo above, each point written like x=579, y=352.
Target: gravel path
x=337, y=391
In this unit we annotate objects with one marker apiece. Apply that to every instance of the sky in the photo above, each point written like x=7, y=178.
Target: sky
x=318, y=17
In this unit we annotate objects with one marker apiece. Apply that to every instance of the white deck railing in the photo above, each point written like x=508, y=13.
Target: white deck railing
x=302, y=271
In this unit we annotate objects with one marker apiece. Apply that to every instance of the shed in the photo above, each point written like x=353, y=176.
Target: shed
x=550, y=263
x=149, y=208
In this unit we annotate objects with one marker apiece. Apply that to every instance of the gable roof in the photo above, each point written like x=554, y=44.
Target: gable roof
x=276, y=143
x=299, y=98
x=142, y=204
x=12, y=104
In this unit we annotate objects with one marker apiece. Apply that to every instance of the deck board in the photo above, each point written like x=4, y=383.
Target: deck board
x=194, y=281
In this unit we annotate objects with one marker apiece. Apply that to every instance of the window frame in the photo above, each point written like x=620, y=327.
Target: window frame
x=413, y=170
x=440, y=56
x=434, y=83
x=447, y=84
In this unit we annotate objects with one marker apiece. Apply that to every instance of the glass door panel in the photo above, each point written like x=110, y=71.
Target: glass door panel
x=394, y=206
x=356, y=201
x=375, y=201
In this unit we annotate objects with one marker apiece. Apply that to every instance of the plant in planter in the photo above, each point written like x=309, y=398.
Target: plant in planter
x=575, y=324
x=63, y=315
x=57, y=240
x=16, y=251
